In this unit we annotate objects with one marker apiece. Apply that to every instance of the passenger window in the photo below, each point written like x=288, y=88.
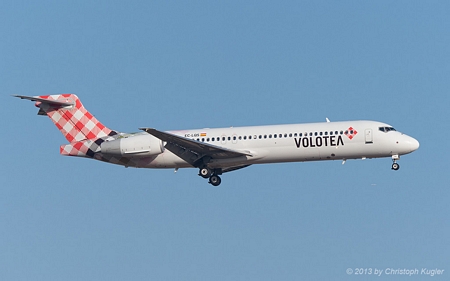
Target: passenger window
x=326, y=133
x=285, y=135
x=290, y=135
x=275, y=136
x=300, y=134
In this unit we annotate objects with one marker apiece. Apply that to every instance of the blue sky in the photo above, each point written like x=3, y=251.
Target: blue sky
x=175, y=65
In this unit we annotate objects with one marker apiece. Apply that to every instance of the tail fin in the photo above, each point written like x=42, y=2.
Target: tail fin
x=70, y=116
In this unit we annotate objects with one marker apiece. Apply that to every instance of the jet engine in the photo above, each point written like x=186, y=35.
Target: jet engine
x=133, y=146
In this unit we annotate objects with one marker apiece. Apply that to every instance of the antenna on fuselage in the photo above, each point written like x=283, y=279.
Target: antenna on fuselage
x=328, y=120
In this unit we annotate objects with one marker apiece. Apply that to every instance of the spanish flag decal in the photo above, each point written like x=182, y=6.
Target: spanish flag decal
x=203, y=134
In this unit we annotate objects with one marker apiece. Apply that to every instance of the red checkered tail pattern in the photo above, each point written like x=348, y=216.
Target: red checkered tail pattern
x=70, y=116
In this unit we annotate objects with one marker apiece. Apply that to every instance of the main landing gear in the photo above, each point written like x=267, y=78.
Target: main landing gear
x=215, y=180
x=395, y=165
x=213, y=175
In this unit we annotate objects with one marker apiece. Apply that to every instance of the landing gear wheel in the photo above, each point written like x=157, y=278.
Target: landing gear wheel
x=215, y=180
x=205, y=173
x=395, y=166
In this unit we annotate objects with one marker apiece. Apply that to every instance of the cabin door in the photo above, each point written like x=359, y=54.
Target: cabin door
x=368, y=136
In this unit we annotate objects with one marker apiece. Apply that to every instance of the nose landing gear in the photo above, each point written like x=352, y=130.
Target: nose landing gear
x=395, y=165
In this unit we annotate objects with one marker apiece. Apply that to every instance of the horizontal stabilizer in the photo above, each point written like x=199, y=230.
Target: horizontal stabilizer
x=62, y=103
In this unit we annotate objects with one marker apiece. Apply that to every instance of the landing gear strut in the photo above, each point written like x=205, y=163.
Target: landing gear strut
x=395, y=165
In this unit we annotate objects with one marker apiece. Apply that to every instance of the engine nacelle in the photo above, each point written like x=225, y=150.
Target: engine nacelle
x=133, y=146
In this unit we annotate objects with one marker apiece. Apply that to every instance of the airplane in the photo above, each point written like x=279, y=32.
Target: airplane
x=217, y=151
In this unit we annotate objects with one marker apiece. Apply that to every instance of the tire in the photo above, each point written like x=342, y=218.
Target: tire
x=395, y=166
x=204, y=173
x=215, y=180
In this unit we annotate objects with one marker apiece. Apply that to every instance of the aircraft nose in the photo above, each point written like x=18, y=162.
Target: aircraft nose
x=413, y=144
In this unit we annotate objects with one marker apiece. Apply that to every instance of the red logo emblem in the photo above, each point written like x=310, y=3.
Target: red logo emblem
x=350, y=133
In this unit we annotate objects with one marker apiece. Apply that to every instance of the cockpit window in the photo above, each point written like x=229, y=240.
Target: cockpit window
x=386, y=129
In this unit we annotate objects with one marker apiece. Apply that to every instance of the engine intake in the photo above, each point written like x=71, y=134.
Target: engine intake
x=133, y=146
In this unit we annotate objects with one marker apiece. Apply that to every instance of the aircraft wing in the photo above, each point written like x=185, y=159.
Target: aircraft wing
x=191, y=150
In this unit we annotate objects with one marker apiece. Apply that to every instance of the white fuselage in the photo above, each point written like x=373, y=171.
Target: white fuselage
x=221, y=150
x=295, y=143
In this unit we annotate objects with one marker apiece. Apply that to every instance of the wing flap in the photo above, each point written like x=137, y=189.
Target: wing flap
x=231, y=169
